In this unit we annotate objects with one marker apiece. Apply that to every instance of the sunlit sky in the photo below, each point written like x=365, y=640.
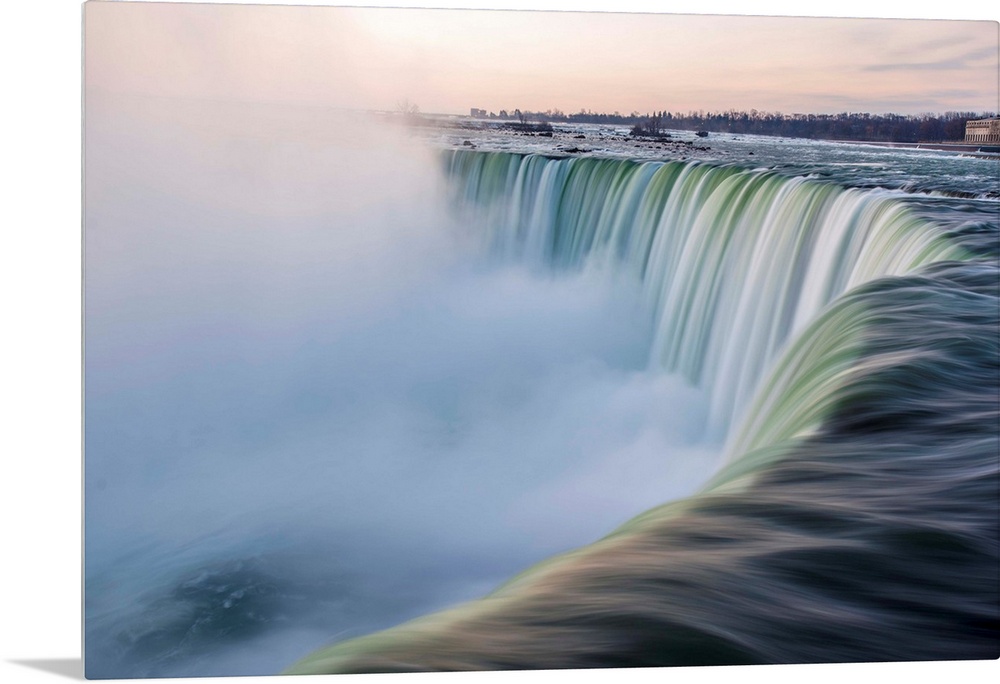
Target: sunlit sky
x=451, y=60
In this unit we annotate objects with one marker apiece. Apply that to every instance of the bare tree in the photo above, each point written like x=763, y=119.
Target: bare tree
x=407, y=108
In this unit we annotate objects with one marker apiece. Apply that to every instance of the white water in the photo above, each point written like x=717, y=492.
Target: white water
x=731, y=263
x=292, y=352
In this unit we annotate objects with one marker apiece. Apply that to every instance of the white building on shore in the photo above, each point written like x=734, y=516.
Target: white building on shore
x=983, y=130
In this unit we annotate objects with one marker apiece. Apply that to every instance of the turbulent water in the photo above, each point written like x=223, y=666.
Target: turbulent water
x=357, y=407
x=856, y=518
x=723, y=253
x=874, y=538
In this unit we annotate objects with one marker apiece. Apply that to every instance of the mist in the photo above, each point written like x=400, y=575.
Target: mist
x=317, y=406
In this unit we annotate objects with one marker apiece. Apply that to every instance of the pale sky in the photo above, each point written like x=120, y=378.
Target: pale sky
x=450, y=60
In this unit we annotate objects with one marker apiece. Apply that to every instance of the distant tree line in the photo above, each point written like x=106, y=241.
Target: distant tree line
x=949, y=126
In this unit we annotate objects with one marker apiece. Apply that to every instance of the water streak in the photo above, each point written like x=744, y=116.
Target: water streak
x=733, y=261
x=856, y=519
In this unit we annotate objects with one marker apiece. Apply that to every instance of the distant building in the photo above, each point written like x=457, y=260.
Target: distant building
x=477, y=113
x=983, y=131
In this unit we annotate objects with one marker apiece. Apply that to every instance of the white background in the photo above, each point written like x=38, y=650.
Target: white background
x=40, y=414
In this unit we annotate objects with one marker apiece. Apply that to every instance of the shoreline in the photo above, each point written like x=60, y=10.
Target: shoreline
x=598, y=139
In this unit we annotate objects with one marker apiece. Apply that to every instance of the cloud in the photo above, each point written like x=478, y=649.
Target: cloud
x=951, y=63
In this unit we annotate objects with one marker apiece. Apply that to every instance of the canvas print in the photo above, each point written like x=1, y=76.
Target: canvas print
x=433, y=340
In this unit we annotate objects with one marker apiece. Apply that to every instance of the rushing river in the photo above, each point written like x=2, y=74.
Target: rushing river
x=726, y=408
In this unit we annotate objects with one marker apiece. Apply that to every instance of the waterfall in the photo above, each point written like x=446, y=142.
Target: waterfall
x=854, y=349
x=733, y=262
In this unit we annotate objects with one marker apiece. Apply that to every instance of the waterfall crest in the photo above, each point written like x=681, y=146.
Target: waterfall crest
x=733, y=262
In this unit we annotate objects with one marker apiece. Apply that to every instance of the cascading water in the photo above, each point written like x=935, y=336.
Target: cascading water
x=341, y=417
x=733, y=262
x=856, y=517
